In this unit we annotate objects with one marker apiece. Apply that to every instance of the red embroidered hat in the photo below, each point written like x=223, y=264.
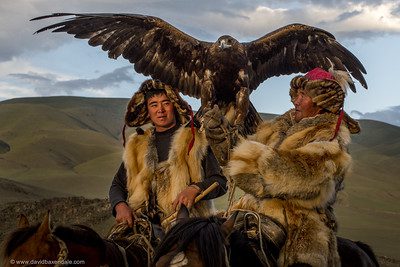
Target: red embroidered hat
x=319, y=74
x=322, y=87
x=327, y=90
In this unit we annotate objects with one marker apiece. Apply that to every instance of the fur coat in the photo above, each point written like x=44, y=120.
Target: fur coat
x=289, y=171
x=165, y=180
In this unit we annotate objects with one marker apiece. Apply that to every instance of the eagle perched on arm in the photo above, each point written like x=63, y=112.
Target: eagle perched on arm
x=222, y=73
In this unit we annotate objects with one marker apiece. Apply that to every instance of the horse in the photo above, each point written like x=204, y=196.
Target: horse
x=214, y=241
x=210, y=241
x=40, y=245
x=355, y=253
x=32, y=245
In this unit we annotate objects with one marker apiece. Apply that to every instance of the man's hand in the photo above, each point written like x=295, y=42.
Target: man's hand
x=186, y=197
x=124, y=213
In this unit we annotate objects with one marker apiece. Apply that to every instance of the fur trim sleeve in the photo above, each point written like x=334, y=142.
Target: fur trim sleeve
x=306, y=173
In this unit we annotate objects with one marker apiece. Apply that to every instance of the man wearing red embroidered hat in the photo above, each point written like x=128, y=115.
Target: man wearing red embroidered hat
x=293, y=166
x=165, y=165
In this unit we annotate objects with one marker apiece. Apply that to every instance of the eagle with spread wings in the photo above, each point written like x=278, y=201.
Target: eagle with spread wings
x=224, y=72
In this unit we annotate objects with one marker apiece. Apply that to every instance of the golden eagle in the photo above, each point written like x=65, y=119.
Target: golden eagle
x=222, y=73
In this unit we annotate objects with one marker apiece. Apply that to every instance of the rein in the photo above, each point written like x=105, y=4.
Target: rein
x=231, y=193
x=63, y=253
x=135, y=238
x=257, y=227
x=260, y=239
x=149, y=247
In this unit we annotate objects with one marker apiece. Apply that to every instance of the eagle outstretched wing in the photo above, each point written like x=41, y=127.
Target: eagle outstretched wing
x=224, y=72
x=299, y=48
x=155, y=47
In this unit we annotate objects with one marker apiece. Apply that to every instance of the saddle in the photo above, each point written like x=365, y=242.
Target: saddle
x=267, y=235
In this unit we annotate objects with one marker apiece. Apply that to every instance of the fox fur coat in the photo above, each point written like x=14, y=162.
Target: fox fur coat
x=290, y=172
x=165, y=180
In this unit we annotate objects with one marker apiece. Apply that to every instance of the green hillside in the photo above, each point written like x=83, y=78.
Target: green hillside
x=369, y=209
x=12, y=191
x=54, y=141
x=72, y=146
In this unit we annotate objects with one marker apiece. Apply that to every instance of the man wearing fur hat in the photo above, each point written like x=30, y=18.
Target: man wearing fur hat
x=166, y=165
x=293, y=166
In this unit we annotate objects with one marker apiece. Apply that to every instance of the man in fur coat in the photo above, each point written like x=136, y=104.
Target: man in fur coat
x=165, y=165
x=293, y=166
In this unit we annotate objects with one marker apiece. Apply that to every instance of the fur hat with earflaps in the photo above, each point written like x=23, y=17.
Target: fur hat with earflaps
x=136, y=112
x=327, y=90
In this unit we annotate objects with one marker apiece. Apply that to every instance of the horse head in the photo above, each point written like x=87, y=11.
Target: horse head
x=33, y=245
x=43, y=245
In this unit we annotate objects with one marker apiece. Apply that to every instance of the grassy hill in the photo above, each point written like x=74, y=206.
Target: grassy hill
x=369, y=207
x=70, y=146
x=62, y=143
x=12, y=191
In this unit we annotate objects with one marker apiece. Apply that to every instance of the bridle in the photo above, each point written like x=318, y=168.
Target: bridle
x=63, y=253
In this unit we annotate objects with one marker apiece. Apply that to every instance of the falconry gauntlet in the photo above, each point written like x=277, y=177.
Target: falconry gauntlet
x=220, y=134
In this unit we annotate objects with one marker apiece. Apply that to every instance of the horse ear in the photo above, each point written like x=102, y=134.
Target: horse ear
x=227, y=226
x=183, y=213
x=22, y=221
x=44, y=228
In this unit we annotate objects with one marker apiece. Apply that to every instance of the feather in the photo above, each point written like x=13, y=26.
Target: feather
x=342, y=77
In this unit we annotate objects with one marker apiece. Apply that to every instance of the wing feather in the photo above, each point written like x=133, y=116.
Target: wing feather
x=299, y=48
x=153, y=46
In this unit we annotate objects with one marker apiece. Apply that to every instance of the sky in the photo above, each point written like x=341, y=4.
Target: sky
x=49, y=64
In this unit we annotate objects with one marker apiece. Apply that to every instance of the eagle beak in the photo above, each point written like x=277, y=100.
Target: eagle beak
x=224, y=45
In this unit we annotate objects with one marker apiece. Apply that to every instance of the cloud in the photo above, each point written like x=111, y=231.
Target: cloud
x=348, y=15
x=344, y=3
x=51, y=84
x=8, y=91
x=396, y=11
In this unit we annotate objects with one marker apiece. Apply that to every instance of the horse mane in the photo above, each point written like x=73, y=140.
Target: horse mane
x=79, y=234
x=16, y=238
x=202, y=230
x=368, y=250
x=136, y=248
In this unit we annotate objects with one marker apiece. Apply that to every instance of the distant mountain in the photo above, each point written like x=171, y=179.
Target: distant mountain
x=390, y=115
x=103, y=115
x=72, y=146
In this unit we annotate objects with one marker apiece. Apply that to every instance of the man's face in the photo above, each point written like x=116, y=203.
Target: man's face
x=304, y=106
x=161, y=112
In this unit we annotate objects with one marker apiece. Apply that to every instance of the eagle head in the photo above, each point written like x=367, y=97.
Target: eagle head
x=226, y=41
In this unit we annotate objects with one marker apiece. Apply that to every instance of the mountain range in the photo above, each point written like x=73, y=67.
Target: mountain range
x=71, y=146
x=390, y=115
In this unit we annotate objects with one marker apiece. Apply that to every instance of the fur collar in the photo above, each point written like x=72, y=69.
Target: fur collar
x=165, y=180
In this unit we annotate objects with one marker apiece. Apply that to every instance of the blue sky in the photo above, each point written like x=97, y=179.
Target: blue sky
x=57, y=64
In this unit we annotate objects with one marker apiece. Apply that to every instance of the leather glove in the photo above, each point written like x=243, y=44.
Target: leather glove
x=219, y=133
x=215, y=124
